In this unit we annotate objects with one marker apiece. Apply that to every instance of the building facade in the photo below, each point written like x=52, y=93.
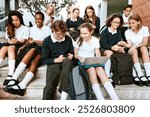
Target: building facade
x=142, y=7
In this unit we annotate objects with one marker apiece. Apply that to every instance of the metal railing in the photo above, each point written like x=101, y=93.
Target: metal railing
x=3, y=20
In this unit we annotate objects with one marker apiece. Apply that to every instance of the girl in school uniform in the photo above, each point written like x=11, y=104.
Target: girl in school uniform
x=137, y=40
x=32, y=59
x=74, y=23
x=16, y=34
x=109, y=39
x=90, y=17
x=88, y=46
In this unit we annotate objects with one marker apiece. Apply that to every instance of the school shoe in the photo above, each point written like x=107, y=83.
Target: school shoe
x=145, y=83
x=148, y=79
x=6, y=81
x=18, y=91
x=138, y=83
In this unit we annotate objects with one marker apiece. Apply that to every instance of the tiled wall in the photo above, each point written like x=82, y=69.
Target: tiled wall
x=142, y=7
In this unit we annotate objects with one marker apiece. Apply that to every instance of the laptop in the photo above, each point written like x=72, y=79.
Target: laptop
x=95, y=60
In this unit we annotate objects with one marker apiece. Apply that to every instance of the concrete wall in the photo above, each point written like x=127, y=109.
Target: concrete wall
x=142, y=7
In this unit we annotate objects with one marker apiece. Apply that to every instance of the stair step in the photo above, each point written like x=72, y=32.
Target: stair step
x=130, y=92
x=34, y=90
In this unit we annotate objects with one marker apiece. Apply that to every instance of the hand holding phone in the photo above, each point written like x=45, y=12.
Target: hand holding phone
x=10, y=37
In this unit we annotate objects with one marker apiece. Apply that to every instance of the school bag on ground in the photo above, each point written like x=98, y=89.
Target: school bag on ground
x=121, y=68
x=79, y=87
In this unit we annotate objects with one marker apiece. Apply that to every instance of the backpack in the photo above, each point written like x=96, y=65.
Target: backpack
x=121, y=68
x=79, y=87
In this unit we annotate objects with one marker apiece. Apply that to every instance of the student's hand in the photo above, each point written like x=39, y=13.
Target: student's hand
x=115, y=48
x=93, y=26
x=30, y=40
x=59, y=59
x=121, y=50
x=12, y=41
x=70, y=56
x=72, y=29
x=121, y=43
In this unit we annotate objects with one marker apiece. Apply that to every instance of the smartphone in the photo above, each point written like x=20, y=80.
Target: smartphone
x=65, y=55
x=10, y=37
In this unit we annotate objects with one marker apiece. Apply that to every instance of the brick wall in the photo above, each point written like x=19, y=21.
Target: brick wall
x=142, y=7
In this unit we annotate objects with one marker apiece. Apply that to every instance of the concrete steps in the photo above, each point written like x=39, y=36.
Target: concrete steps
x=34, y=89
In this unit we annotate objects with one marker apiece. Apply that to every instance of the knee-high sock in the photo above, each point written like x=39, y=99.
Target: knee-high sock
x=97, y=92
x=107, y=67
x=109, y=88
x=147, y=69
x=11, y=67
x=18, y=71
x=64, y=95
x=23, y=84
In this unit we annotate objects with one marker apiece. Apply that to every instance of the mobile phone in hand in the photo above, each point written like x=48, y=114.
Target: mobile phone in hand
x=10, y=37
x=65, y=55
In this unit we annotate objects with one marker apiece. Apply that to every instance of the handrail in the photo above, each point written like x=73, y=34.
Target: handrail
x=2, y=12
x=4, y=19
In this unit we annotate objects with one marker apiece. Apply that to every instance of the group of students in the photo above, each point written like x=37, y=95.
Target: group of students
x=51, y=45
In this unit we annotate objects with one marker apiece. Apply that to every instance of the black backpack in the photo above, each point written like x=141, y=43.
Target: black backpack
x=79, y=87
x=121, y=68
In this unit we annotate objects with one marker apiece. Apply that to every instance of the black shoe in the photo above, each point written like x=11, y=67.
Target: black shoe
x=6, y=81
x=138, y=83
x=145, y=83
x=18, y=91
x=148, y=79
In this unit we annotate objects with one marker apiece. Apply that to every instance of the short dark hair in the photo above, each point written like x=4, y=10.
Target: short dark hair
x=40, y=13
x=127, y=6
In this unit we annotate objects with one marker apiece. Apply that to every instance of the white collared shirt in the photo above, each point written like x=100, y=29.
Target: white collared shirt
x=21, y=33
x=125, y=19
x=40, y=33
x=137, y=38
x=73, y=19
x=55, y=40
x=87, y=49
x=109, y=30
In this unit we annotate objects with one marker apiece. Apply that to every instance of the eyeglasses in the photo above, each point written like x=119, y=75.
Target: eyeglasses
x=115, y=22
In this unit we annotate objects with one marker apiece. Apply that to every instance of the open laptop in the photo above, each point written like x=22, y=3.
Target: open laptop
x=96, y=60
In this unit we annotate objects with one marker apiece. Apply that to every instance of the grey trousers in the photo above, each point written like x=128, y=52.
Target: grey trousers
x=54, y=74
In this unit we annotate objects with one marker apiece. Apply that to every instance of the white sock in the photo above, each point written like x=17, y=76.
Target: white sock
x=109, y=88
x=18, y=71
x=107, y=67
x=137, y=66
x=11, y=66
x=23, y=84
x=1, y=60
x=97, y=92
x=134, y=75
x=64, y=95
x=147, y=69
